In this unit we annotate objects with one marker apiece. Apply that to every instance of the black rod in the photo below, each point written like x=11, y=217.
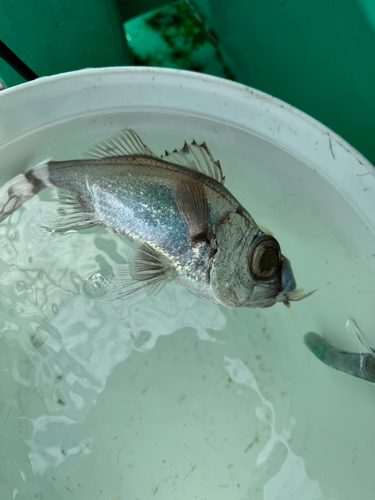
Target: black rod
x=16, y=63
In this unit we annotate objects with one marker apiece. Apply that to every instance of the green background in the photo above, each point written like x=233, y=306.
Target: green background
x=318, y=55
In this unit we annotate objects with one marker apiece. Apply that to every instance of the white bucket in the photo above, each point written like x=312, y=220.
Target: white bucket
x=169, y=397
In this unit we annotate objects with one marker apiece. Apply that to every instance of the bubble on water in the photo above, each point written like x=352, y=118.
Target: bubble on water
x=98, y=284
x=20, y=286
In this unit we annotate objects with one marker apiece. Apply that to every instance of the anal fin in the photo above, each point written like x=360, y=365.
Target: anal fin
x=70, y=215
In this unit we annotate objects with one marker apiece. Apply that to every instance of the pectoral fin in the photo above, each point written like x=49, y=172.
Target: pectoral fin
x=147, y=271
x=192, y=203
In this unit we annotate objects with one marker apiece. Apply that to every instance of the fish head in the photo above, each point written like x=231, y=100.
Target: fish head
x=249, y=270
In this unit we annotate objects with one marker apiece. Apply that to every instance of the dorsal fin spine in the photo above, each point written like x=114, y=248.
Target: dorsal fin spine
x=197, y=157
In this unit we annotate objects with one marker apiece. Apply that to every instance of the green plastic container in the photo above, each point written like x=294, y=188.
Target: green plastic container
x=318, y=56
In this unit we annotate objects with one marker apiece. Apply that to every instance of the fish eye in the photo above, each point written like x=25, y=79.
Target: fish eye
x=264, y=257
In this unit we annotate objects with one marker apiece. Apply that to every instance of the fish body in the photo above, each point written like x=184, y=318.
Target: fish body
x=176, y=215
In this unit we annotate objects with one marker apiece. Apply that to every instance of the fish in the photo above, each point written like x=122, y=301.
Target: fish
x=179, y=221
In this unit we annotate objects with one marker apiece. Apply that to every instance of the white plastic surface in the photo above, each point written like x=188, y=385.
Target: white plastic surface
x=177, y=398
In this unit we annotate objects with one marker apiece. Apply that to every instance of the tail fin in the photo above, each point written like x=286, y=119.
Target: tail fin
x=23, y=187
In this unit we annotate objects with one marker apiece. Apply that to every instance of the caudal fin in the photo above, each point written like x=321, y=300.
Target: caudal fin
x=23, y=187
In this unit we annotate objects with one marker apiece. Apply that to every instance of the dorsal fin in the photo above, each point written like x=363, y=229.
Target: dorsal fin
x=198, y=157
x=126, y=142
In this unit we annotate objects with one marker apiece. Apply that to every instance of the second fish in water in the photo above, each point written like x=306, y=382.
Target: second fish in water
x=180, y=221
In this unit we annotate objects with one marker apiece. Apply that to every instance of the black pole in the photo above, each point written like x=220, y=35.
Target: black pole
x=16, y=63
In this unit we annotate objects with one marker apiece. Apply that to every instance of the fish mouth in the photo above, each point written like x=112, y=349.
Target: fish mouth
x=289, y=291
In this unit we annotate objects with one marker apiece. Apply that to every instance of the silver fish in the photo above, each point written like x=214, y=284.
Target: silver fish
x=174, y=212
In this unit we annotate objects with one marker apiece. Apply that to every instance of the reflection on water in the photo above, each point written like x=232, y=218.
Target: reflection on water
x=291, y=481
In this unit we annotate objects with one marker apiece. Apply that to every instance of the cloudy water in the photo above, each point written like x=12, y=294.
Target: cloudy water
x=168, y=396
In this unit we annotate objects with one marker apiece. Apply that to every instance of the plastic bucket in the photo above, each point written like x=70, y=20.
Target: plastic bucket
x=169, y=396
